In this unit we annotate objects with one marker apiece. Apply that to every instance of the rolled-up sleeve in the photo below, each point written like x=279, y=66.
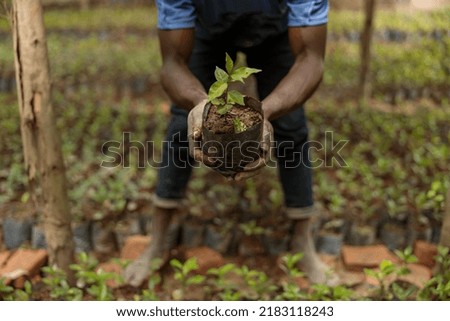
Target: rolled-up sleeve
x=173, y=14
x=302, y=13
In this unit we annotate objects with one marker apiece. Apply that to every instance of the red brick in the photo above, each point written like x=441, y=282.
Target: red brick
x=206, y=258
x=23, y=262
x=425, y=253
x=351, y=279
x=419, y=275
x=111, y=267
x=4, y=257
x=356, y=258
x=134, y=246
x=2, y=244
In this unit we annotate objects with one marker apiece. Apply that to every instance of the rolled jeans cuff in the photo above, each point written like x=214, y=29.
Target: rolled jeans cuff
x=300, y=213
x=166, y=203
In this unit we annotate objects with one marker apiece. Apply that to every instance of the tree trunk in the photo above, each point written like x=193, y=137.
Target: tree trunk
x=445, y=231
x=41, y=141
x=84, y=4
x=366, y=42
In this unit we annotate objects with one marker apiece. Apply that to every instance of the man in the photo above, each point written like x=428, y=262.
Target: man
x=286, y=40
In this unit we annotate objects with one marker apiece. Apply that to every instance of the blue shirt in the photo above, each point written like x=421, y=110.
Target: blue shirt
x=209, y=14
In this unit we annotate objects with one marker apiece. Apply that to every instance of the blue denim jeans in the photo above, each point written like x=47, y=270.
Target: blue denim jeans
x=274, y=58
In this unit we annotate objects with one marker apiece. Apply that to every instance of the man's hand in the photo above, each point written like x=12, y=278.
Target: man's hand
x=195, y=125
x=254, y=168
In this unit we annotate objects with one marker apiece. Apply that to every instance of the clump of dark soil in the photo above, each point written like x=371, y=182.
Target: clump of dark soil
x=223, y=124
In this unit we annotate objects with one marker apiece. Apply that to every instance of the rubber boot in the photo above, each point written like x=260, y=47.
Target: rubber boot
x=139, y=270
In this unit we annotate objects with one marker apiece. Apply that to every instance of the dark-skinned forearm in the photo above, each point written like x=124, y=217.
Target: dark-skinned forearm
x=296, y=87
x=183, y=88
x=308, y=47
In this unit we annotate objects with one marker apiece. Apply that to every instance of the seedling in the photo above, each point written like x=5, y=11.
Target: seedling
x=250, y=228
x=221, y=282
x=230, y=295
x=388, y=276
x=221, y=273
x=219, y=93
x=92, y=279
x=323, y=292
x=438, y=287
x=291, y=290
x=289, y=265
x=183, y=275
x=60, y=289
x=5, y=290
x=259, y=285
x=98, y=287
x=232, y=122
x=434, y=198
x=25, y=294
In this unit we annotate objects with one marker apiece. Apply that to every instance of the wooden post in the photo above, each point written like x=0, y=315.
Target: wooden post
x=445, y=230
x=84, y=4
x=366, y=42
x=41, y=140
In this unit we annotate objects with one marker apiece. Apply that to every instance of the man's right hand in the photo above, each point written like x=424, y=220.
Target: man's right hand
x=195, y=126
x=266, y=147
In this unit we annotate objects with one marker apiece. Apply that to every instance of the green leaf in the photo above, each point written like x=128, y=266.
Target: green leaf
x=176, y=264
x=25, y=197
x=227, y=268
x=196, y=279
x=387, y=267
x=221, y=75
x=297, y=257
x=28, y=287
x=431, y=193
x=239, y=126
x=222, y=110
x=370, y=272
x=5, y=288
x=408, y=251
x=436, y=185
x=342, y=293
x=218, y=101
x=403, y=271
x=178, y=276
x=190, y=265
x=242, y=73
x=290, y=261
x=229, y=65
x=222, y=270
x=443, y=251
x=154, y=280
x=235, y=97
x=217, y=89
